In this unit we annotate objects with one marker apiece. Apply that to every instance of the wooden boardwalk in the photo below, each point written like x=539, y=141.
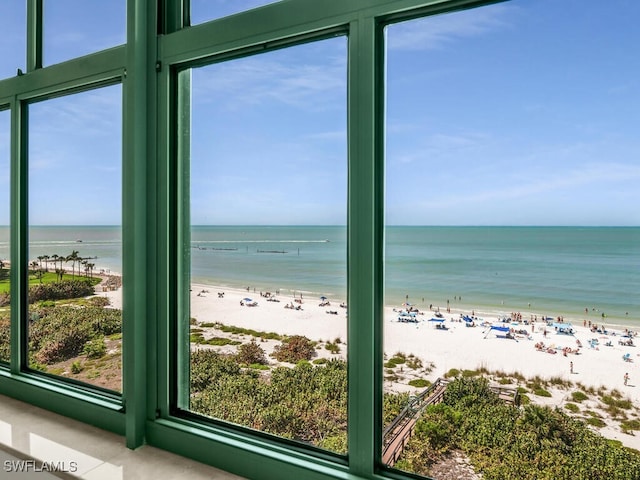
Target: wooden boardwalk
x=396, y=436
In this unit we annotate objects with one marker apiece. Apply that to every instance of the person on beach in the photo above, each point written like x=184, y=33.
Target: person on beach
x=571, y=367
x=626, y=378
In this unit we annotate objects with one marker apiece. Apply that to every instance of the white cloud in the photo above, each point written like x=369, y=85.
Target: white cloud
x=440, y=30
x=311, y=82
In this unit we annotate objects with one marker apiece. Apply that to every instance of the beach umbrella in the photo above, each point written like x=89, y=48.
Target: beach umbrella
x=248, y=300
x=323, y=297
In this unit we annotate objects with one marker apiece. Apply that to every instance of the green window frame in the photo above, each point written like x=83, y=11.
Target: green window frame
x=151, y=67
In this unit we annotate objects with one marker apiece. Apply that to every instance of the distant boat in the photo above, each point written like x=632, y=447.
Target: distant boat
x=78, y=241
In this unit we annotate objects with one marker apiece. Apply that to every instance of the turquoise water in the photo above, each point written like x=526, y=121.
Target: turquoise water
x=555, y=270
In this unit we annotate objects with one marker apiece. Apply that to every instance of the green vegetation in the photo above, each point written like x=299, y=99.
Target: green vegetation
x=332, y=347
x=414, y=362
x=197, y=337
x=95, y=348
x=305, y=402
x=628, y=426
x=245, y=331
x=572, y=407
x=53, y=290
x=452, y=373
x=507, y=442
x=615, y=402
x=62, y=332
x=251, y=354
x=541, y=392
x=294, y=349
x=5, y=337
x=420, y=383
x=596, y=422
x=76, y=367
x=578, y=396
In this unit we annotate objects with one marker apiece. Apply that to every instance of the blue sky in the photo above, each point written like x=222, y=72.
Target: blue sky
x=521, y=113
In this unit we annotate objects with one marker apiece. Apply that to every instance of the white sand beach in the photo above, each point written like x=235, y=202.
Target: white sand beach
x=458, y=346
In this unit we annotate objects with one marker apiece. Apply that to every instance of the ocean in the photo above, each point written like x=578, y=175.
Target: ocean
x=553, y=271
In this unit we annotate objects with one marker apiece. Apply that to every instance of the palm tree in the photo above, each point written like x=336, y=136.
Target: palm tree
x=73, y=258
x=90, y=267
x=46, y=262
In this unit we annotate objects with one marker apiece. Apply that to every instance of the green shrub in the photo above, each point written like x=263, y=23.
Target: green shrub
x=76, y=367
x=59, y=333
x=628, y=426
x=578, y=396
x=414, y=363
x=596, y=422
x=196, y=338
x=541, y=392
x=95, y=348
x=221, y=341
x=419, y=383
x=99, y=301
x=294, y=349
x=251, y=353
x=5, y=338
x=332, y=347
x=61, y=290
x=572, y=407
x=622, y=403
x=258, y=366
x=320, y=361
x=452, y=373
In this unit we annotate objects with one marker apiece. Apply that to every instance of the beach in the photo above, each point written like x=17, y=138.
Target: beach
x=456, y=347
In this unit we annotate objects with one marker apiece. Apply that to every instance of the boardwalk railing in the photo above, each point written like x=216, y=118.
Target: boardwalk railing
x=398, y=433
x=396, y=436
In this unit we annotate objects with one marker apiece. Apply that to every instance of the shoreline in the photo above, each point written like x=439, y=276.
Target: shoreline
x=458, y=347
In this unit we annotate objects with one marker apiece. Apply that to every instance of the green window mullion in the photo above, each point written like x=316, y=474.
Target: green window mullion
x=365, y=223
x=34, y=35
x=138, y=134
x=183, y=266
x=18, y=235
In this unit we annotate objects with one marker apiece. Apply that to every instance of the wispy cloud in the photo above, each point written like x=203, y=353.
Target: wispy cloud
x=440, y=30
x=287, y=78
x=600, y=178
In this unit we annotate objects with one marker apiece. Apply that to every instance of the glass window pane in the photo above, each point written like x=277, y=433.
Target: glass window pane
x=5, y=308
x=13, y=50
x=205, y=10
x=75, y=237
x=73, y=28
x=512, y=239
x=268, y=243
